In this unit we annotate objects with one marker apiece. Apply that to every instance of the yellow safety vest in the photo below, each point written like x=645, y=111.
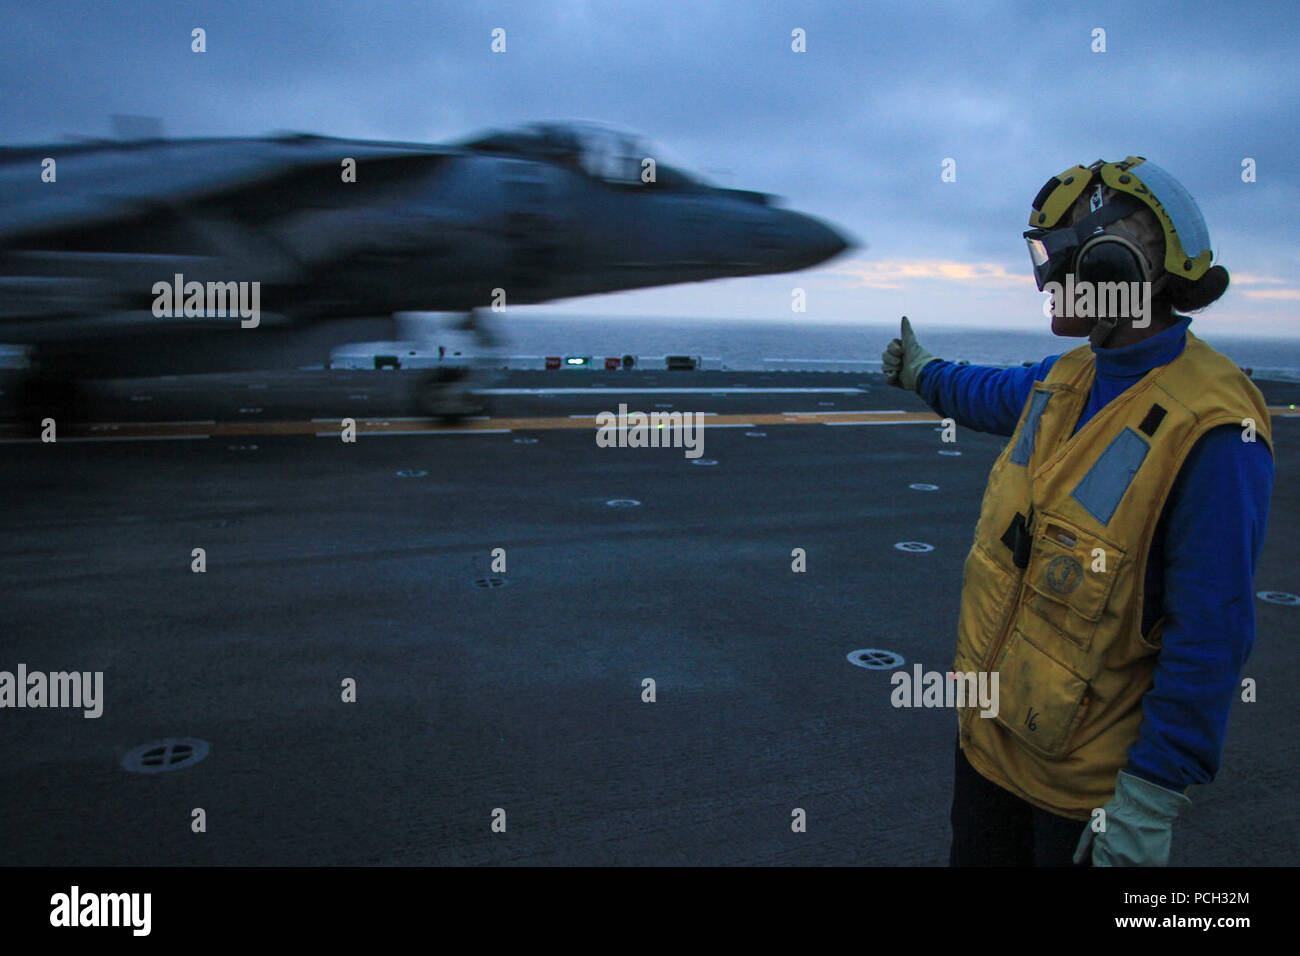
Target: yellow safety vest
x=1053, y=586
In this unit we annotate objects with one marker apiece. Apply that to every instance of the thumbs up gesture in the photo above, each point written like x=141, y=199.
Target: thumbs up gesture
x=904, y=358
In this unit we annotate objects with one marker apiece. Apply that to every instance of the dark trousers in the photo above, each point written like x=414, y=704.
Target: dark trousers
x=992, y=827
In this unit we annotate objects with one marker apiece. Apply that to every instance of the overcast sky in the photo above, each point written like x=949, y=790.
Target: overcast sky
x=854, y=130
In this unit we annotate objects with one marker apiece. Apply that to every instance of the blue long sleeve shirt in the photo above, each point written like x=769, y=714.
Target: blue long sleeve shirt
x=1201, y=568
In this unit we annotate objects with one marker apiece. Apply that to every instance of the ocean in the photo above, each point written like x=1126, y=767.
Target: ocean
x=750, y=345
x=747, y=345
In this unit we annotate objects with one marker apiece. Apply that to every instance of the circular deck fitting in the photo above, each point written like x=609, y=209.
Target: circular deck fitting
x=875, y=659
x=173, y=753
x=916, y=547
x=1279, y=597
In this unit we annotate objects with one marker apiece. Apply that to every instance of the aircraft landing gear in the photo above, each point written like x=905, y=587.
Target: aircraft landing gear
x=476, y=322
x=445, y=394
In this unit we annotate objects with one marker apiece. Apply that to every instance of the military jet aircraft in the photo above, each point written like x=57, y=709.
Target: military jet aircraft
x=153, y=256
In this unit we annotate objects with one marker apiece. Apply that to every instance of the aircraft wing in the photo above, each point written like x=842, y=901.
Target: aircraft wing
x=99, y=184
x=79, y=255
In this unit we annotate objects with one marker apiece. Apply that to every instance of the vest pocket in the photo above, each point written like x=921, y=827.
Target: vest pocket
x=1040, y=700
x=983, y=620
x=1063, y=588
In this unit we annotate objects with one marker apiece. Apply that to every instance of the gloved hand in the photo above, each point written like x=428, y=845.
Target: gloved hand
x=1139, y=823
x=904, y=358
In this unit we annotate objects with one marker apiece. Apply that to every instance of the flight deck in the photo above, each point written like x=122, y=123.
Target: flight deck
x=432, y=645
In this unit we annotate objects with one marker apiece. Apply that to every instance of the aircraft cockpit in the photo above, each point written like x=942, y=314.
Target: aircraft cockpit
x=601, y=152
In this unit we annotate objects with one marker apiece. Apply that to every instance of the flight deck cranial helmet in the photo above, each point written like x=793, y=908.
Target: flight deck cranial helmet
x=1117, y=222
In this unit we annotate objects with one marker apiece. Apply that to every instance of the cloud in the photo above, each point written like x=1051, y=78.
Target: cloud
x=854, y=130
x=1286, y=294
x=894, y=273
x=1272, y=293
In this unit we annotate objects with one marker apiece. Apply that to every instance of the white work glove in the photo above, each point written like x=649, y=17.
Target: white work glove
x=904, y=358
x=1139, y=825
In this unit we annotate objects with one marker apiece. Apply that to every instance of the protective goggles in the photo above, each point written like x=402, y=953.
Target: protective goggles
x=1053, y=250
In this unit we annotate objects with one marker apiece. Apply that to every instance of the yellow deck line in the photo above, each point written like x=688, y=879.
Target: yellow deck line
x=375, y=426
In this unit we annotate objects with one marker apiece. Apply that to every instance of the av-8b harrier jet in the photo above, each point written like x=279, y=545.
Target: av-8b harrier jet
x=120, y=259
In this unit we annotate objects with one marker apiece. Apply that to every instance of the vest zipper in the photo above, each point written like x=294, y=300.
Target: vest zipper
x=1004, y=629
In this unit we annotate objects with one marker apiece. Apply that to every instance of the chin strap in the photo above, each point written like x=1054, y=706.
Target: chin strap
x=1102, y=331
x=1104, y=328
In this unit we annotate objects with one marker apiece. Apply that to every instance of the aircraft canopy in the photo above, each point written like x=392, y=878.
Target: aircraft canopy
x=600, y=151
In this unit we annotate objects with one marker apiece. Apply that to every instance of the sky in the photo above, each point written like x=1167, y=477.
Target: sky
x=855, y=130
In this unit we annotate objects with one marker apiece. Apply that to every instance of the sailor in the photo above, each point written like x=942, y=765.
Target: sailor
x=1110, y=582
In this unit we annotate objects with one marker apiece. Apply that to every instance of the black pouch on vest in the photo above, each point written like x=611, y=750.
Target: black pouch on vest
x=1019, y=539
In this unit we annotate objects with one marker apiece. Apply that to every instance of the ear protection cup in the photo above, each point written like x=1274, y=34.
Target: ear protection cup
x=1109, y=258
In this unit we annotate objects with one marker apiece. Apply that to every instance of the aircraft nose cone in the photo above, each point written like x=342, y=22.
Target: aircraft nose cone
x=815, y=241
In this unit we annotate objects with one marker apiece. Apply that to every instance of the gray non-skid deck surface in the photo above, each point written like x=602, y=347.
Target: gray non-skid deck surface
x=323, y=564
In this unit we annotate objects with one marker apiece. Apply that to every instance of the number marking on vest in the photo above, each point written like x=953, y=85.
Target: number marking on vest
x=1031, y=719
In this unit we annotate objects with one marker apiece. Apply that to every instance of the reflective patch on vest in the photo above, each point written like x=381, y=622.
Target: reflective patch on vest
x=1108, y=479
x=1025, y=443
